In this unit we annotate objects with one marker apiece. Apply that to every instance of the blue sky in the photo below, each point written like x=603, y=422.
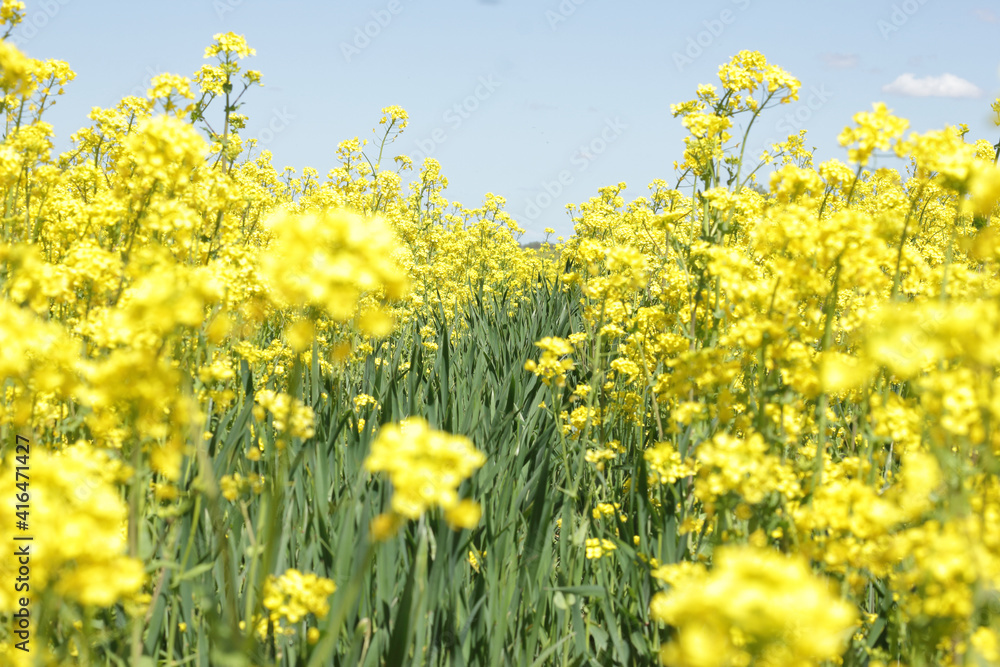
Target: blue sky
x=512, y=96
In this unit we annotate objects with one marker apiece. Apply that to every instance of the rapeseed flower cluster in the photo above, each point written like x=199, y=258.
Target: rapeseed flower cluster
x=426, y=467
x=754, y=607
x=813, y=366
x=293, y=595
x=554, y=362
x=77, y=522
x=161, y=273
x=287, y=413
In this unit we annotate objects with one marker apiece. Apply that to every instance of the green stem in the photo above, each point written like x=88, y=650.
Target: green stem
x=821, y=407
x=902, y=242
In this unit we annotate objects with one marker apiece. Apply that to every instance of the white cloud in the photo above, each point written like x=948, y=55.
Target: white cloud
x=946, y=85
x=840, y=60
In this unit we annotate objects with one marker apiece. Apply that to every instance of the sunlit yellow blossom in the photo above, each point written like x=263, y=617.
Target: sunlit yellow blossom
x=293, y=595
x=754, y=606
x=287, y=414
x=229, y=42
x=330, y=260
x=425, y=467
x=550, y=367
x=599, y=547
x=76, y=518
x=876, y=130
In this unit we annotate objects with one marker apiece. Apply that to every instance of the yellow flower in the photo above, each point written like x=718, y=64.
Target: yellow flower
x=876, y=130
x=465, y=514
x=229, y=43
x=287, y=414
x=12, y=11
x=550, y=367
x=293, y=595
x=756, y=607
x=169, y=87
x=474, y=561
x=362, y=400
x=164, y=149
x=394, y=115
x=425, y=466
x=300, y=335
x=604, y=509
x=76, y=520
x=987, y=644
x=749, y=70
x=385, y=526
x=330, y=260
x=743, y=466
x=597, y=548
x=15, y=67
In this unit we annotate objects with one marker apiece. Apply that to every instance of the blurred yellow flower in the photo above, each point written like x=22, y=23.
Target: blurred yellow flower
x=754, y=607
x=426, y=467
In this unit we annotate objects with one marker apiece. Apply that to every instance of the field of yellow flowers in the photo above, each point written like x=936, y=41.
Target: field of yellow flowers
x=254, y=417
